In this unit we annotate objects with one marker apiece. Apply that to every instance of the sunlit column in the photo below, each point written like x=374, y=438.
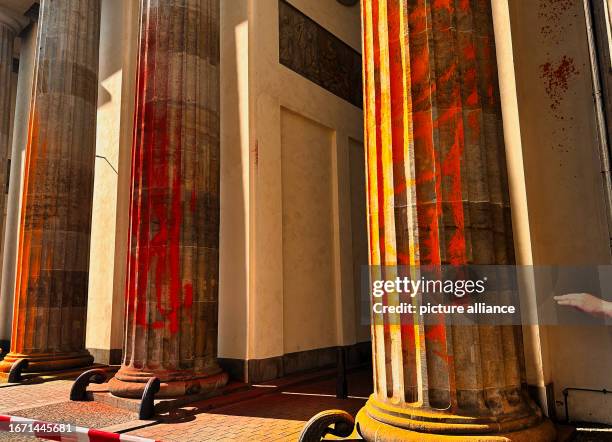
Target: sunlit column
x=10, y=25
x=438, y=194
x=52, y=269
x=173, y=262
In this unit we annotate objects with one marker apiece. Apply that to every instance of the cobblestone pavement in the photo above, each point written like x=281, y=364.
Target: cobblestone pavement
x=49, y=402
x=18, y=397
x=278, y=416
x=81, y=414
x=273, y=417
x=15, y=438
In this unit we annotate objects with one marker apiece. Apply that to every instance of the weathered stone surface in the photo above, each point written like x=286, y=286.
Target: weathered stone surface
x=173, y=263
x=10, y=25
x=51, y=288
x=315, y=53
x=7, y=37
x=438, y=194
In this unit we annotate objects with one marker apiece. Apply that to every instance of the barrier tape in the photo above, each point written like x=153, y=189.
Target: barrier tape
x=21, y=426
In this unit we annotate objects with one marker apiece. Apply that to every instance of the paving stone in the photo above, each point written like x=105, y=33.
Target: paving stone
x=28, y=396
x=278, y=415
x=82, y=414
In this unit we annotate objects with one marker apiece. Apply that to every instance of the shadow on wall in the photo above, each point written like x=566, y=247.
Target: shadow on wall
x=234, y=269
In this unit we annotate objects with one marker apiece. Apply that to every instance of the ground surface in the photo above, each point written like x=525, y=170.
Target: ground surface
x=277, y=413
x=279, y=416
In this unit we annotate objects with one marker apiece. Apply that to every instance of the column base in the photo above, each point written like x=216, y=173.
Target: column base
x=373, y=424
x=47, y=362
x=130, y=382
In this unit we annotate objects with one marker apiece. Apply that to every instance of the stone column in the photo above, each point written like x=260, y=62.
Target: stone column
x=51, y=289
x=173, y=263
x=10, y=25
x=438, y=194
x=8, y=30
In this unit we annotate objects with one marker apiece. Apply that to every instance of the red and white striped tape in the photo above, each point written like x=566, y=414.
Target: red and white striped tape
x=60, y=432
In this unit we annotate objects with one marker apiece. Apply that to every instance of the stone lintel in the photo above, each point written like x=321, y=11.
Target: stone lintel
x=13, y=20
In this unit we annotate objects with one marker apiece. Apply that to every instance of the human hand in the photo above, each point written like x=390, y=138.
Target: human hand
x=587, y=303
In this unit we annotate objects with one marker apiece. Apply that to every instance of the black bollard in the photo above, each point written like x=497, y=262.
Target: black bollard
x=78, y=392
x=15, y=373
x=147, y=404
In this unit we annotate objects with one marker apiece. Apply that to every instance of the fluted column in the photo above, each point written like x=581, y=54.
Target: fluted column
x=52, y=270
x=10, y=25
x=8, y=31
x=173, y=264
x=438, y=194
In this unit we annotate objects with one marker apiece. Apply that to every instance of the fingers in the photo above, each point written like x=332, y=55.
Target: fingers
x=576, y=300
x=570, y=302
x=574, y=296
x=582, y=301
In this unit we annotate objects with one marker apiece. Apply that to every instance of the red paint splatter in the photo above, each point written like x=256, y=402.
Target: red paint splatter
x=417, y=16
x=551, y=13
x=452, y=80
x=469, y=52
x=443, y=4
x=557, y=78
x=188, y=295
x=156, y=213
